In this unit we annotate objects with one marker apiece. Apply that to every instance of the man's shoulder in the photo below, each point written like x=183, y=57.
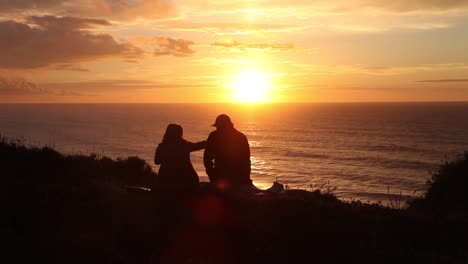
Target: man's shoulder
x=236, y=133
x=240, y=134
x=212, y=135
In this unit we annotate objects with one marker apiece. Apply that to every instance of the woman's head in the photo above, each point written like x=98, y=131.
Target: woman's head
x=173, y=133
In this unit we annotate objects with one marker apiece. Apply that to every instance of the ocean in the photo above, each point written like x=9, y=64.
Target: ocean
x=358, y=151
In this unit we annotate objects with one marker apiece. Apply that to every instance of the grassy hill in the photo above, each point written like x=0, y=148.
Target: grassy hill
x=78, y=209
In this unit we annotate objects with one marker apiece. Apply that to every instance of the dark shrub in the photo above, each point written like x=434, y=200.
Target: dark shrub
x=448, y=190
x=34, y=165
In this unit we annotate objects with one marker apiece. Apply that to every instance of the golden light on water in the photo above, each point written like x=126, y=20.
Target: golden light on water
x=250, y=86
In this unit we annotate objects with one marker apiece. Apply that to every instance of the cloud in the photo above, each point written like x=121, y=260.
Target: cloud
x=160, y=46
x=237, y=45
x=416, y=5
x=443, y=81
x=229, y=28
x=174, y=47
x=110, y=9
x=116, y=85
x=394, y=70
x=156, y=9
x=49, y=40
x=69, y=67
x=14, y=85
x=119, y=9
x=329, y=7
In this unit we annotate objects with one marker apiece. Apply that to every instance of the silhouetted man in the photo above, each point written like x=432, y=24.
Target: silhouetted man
x=227, y=155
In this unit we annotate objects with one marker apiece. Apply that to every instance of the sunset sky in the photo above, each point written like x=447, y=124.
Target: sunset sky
x=156, y=51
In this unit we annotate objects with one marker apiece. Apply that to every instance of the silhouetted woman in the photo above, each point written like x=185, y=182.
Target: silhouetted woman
x=176, y=173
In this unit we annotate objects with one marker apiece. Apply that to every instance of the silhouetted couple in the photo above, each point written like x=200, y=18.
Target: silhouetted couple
x=226, y=158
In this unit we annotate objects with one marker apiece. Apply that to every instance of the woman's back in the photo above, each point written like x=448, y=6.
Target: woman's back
x=176, y=166
x=173, y=155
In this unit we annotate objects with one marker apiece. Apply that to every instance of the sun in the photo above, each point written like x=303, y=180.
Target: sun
x=250, y=86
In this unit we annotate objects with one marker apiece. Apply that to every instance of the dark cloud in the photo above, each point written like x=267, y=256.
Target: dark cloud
x=443, y=81
x=174, y=47
x=66, y=23
x=111, y=9
x=51, y=40
x=13, y=85
x=17, y=5
x=238, y=45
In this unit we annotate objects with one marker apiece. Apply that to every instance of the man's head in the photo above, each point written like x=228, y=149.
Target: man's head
x=222, y=122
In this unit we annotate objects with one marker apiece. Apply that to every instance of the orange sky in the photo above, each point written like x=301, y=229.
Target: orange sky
x=201, y=51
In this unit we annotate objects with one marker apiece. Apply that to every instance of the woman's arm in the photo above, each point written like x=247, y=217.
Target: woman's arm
x=197, y=146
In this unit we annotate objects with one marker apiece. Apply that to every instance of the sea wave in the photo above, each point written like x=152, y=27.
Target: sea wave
x=390, y=163
x=392, y=148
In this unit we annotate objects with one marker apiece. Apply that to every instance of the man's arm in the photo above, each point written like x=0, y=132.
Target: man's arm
x=242, y=160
